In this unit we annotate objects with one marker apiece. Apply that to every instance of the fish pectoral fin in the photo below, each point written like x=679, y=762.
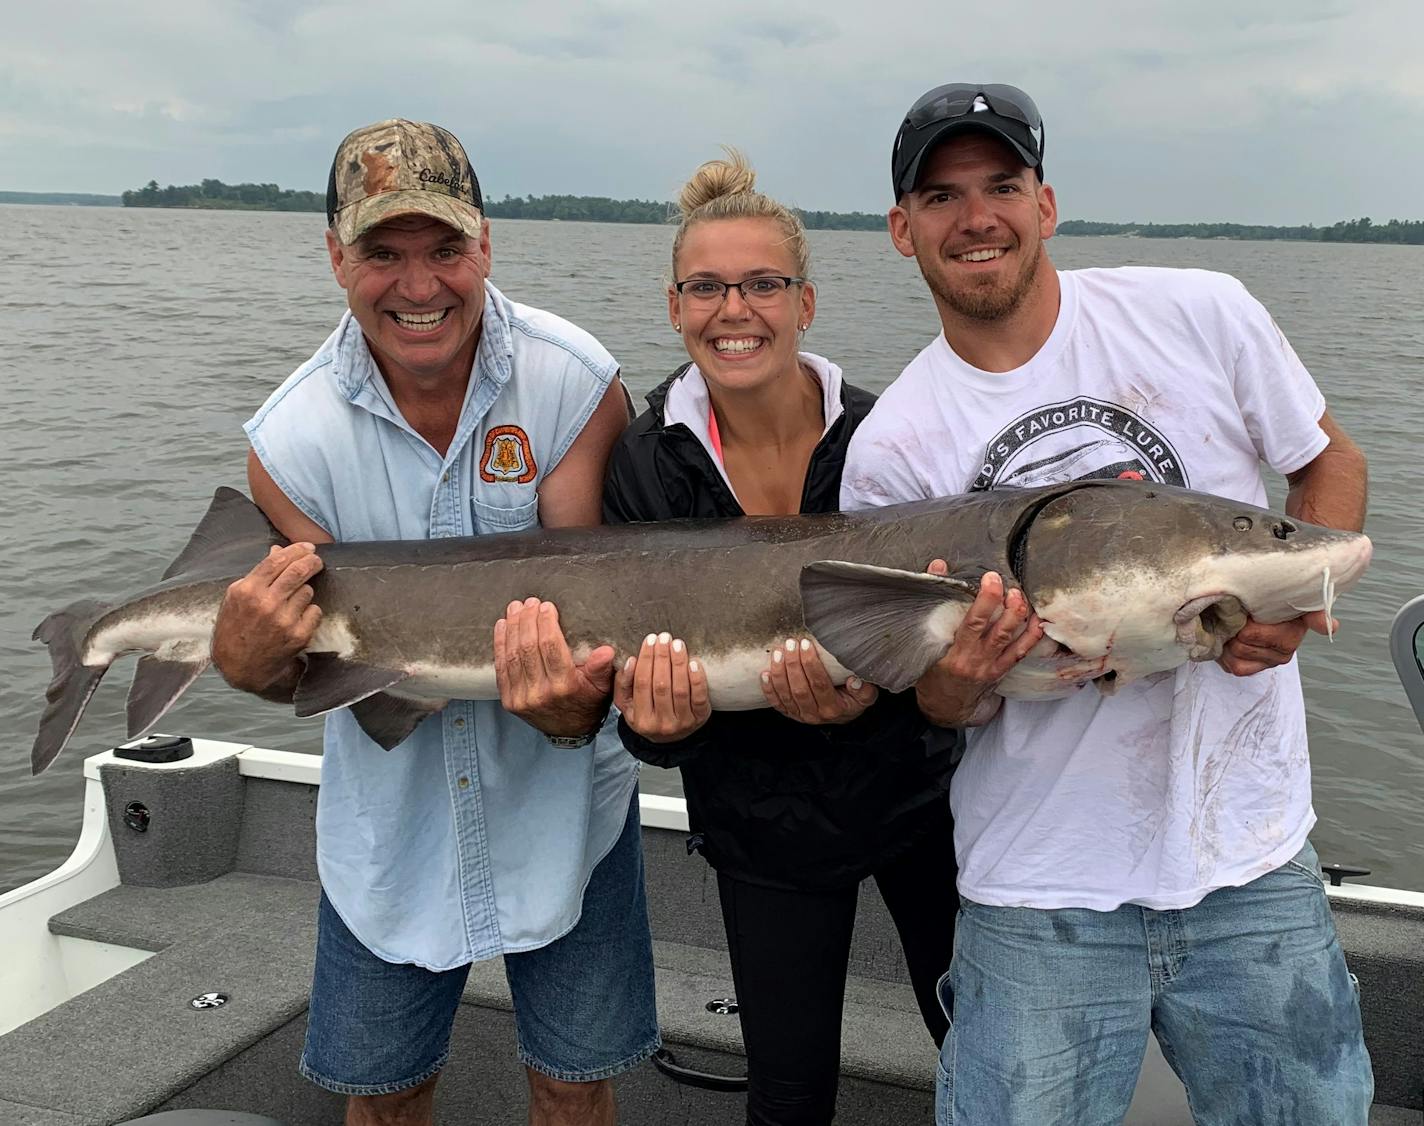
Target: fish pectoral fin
x=389, y=720
x=157, y=684
x=330, y=682
x=884, y=625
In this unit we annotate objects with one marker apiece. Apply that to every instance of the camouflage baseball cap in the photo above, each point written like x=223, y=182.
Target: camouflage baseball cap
x=400, y=167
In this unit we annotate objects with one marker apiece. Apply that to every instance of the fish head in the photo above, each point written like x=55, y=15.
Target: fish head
x=1145, y=576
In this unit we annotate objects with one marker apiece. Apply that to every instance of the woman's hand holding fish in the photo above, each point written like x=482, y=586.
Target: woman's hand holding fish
x=662, y=692
x=997, y=632
x=1259, y=646
x=266, y=619
x=797, y=685
x=538, y=678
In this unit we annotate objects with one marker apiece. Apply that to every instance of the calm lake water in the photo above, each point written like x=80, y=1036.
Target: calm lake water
x=133, y=344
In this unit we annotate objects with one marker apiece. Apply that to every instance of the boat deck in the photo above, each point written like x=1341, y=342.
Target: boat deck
x=220, y=893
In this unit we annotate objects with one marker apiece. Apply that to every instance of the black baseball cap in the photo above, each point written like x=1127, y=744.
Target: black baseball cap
x=1005, y=111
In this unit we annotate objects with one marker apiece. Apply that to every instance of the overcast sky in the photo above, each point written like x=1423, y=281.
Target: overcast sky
x=1290, y=112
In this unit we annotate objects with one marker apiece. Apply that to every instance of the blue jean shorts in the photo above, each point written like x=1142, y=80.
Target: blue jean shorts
x=583, y=1005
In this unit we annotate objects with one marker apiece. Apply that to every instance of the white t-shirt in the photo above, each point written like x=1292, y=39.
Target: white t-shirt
x=1183, y=782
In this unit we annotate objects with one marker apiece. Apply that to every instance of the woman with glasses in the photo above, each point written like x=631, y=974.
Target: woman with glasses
x=793, y=805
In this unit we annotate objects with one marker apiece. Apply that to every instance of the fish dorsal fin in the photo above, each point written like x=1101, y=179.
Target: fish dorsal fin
x=232, y=525
x=330, y=682
x=886, y=626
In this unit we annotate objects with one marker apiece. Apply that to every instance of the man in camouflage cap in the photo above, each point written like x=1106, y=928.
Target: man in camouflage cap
x=439, y=407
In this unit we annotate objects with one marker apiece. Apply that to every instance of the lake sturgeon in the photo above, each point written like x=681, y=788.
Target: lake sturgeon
x=1130, y=579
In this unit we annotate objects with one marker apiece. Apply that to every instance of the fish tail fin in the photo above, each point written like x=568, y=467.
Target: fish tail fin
x=73, y=681
x=232, y=529
x=157, y=684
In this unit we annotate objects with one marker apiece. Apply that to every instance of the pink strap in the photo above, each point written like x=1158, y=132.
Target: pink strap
x=713, y=436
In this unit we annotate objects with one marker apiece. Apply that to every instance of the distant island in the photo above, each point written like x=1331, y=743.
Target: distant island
x=570, y=208
x=214, y=194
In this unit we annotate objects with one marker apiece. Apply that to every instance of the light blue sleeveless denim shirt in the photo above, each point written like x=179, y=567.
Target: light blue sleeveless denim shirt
x=474, y=837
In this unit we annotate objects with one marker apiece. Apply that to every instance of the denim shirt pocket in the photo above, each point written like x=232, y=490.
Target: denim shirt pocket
x=490, y=518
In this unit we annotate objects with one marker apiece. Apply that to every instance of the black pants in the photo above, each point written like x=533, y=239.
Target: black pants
x=790, y=951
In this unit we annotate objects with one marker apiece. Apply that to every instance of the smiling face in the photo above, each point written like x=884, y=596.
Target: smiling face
x=739, y=344
x=976, y=222
x=417, y=289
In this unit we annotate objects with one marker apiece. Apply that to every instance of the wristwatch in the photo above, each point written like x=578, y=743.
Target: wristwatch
x=573, y=742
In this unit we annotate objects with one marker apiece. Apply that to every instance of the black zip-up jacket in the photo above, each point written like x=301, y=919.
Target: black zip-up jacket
x=771, y=800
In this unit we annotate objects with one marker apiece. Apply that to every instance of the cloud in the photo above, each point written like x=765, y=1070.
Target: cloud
x=1248, y=111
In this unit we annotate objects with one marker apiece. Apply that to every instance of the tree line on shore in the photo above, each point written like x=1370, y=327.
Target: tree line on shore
x=215, y=195
x=602, y=209
x=1355, y=230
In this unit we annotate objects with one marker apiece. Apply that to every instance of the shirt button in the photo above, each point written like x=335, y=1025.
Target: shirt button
x=464, y=782
x=459, y=721
x=444, y=478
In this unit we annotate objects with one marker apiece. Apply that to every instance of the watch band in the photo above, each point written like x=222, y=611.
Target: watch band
x=573, y=742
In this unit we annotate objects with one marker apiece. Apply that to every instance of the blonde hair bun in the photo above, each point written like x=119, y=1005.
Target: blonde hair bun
x=717, y=179
x=726, y=189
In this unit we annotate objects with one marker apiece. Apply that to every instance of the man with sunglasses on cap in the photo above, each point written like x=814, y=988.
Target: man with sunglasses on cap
x=439, y=407
x=1135, y=862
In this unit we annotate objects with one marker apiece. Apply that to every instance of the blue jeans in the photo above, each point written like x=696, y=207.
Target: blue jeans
x=1247, y=992
x=583, y=1005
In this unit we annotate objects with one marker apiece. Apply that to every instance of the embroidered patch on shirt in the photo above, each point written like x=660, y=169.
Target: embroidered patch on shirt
x=508, y=456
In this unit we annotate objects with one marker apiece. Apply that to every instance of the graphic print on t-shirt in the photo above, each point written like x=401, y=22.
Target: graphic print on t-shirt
x=1076, y=440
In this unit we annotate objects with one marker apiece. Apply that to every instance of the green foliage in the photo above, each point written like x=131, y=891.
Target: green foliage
x=578, y=208
x=601, y=209
x=1356, y=230
x=215, y=194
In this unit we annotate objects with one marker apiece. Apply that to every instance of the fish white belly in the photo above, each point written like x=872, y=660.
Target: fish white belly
x=733, y=679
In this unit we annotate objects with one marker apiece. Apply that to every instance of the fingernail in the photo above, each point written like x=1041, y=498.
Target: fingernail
x=776, y=657
x=766, y=678
x=677, y=645
x=545, y=607
x=629, y=663
x=664, y=638
x=855, y=684
x=791, y=645
x=650, y=640
x=693, y=666
x=805, y=646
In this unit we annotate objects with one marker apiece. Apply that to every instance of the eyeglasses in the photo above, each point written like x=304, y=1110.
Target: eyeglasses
x=761, y=290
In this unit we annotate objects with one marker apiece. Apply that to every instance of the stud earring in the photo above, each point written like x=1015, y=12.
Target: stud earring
x=805, y=327
x=677, y=326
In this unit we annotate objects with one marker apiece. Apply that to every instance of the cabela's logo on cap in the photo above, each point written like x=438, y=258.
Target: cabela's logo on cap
x=508, y=456
x=430, y=176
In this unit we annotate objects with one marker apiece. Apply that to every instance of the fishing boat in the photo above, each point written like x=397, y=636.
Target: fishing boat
x=163, y=969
